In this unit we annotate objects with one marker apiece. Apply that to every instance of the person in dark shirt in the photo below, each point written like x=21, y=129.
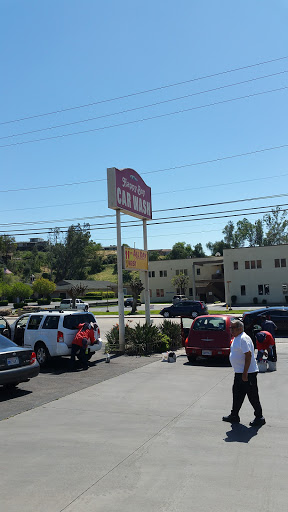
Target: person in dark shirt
x=268, y=325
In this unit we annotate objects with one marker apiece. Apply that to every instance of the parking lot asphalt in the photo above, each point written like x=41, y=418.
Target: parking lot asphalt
x=150, y=439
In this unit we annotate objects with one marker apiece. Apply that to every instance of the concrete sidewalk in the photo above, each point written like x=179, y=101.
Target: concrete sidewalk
x=150, y=440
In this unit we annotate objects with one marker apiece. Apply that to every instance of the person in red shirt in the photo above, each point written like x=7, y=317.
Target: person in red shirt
x=265, y=343
x=84, y=337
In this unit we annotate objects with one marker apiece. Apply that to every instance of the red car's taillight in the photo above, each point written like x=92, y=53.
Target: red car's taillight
x=60, y=337
x=33, y=358
x=186, y=341
x=98, y=332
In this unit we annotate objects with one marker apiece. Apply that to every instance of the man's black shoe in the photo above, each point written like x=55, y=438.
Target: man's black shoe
x=257, y=422
x=231, y=419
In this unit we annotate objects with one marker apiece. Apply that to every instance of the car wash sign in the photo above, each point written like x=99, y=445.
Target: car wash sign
x=135, y=259
x=129, y=193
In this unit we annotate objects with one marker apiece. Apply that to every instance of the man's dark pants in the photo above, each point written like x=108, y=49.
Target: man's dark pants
x=240, y=389
x=80, y=351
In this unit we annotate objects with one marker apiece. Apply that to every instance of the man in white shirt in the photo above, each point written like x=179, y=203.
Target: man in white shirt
x=244, y=364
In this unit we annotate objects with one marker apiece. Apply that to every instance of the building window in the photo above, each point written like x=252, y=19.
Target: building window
x=177, y=272
x=260, y=289
x=159, y=292
x=163, y=273
x=259, y=264
x=185, y=272
x=190, y=292
x=243, y=289
x=198, y=271
x=235, y=264
x=247, y=264
x=152, y=273
x=252, y=263
x=277, y=263
x=150, y=291
x=283, y=262
x=266, y=289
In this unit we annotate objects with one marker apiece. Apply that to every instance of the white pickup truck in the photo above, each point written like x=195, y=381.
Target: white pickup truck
x=79, y=304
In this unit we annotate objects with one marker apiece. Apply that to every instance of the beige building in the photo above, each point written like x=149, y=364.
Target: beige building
x=206, y=280
x=256, y=274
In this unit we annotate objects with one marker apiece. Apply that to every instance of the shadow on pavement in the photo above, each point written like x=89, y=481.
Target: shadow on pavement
x=10, y=393
x=240, y=433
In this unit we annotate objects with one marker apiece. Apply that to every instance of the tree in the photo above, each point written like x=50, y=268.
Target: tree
x=276, y=224
x=43, y=287
x=217, y=247
x=181, y=281
x=179, y=251
x=154, y=256
x=136, y=288
x=20, y=291
x=71, y=258
x=78, y=290
x=198, y=251
x=8, y=246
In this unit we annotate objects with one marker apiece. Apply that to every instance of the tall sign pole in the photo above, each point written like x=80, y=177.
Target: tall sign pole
x=146, y=278
x=128, y=193
x=120, y=285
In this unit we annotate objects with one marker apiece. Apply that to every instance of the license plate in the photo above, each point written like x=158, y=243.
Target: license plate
x=12, y=361
x=206, y=352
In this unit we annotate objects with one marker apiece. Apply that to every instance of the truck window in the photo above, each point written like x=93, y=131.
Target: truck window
x=72, y=321
x=34, y=322
x=51, y=322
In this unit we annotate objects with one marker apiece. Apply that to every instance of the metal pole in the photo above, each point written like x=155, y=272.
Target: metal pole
x=120, y=285
x=107, y=309
x=193, y=281
x=146, y=277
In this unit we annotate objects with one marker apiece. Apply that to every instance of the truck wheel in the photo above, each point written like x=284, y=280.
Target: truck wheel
x=166, y=314
x=42, y=353
x=86, y=308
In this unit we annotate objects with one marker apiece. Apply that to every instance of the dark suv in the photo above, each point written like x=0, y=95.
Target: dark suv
x=190, y=308
x=278, y=315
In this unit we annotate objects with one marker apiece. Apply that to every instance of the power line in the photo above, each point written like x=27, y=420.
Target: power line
x=141, y=107
x=145, y=91
x=272, y=196
x=21, y=233
x=152, y=222
x=191, y=164
x=144, y=119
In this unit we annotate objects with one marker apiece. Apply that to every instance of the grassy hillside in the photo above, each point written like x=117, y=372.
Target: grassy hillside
x=105, y=275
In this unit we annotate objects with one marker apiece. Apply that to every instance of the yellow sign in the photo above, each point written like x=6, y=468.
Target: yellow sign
x=135, y=259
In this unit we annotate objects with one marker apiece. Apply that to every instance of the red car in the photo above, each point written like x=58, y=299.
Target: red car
x=209, y=335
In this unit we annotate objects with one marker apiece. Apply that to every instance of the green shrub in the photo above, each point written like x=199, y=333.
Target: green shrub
x=43, y=302
x=141, y=339
x=173, y=332
x=3, y=302
x=234, y=299
x=18, y=305
x=264, y=301
x=55, y=299
x=255, y=300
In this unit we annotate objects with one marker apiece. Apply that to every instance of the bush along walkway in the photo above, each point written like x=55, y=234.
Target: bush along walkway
x=145, y=339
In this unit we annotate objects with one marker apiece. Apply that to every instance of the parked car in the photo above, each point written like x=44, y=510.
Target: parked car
x=129, y=300
x=191, y=308
x=17, y=364
x=278, y=315
x=4, y=327
x=178, y=298
x=209, y=336
x=79, y=304
x=50, y=333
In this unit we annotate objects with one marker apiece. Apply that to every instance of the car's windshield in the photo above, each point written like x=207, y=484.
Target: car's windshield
x=209, y=324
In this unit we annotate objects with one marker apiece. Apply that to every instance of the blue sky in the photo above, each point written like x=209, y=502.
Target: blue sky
x=65, y=53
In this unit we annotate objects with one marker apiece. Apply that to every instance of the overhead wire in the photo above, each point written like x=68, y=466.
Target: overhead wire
x=144, y=119
x=166, y=86
x=141, y=107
